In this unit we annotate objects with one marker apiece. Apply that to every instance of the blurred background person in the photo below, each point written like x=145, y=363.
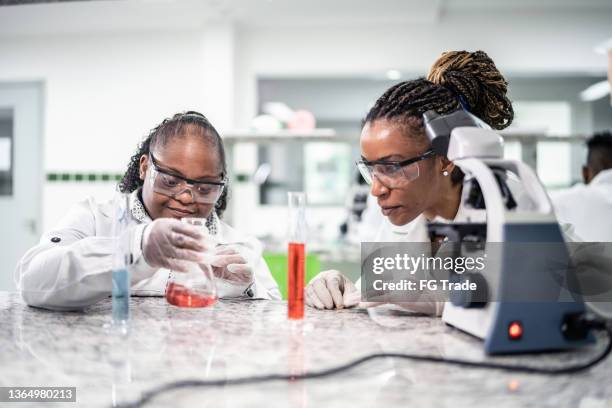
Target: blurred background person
x=588, y=206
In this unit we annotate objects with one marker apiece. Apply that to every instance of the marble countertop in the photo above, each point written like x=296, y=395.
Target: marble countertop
x=239, y=338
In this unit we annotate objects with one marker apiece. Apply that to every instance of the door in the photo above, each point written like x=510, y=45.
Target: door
x=21, y=173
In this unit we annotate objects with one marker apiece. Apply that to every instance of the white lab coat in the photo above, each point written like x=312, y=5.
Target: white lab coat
x=71, y=266
x=588, y=208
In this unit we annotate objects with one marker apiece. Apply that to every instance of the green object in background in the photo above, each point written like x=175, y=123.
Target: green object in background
x=278, y=266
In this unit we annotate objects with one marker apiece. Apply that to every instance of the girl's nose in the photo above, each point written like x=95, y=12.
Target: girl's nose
x=185, y=197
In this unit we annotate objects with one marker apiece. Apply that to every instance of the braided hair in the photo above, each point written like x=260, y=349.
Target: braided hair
x=458, y=79
x=177, y=125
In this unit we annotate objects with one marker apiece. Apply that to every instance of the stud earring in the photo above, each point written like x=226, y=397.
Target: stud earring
x=445, y=173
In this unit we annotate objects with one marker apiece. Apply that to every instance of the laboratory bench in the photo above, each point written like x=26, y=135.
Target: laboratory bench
x=251, y=338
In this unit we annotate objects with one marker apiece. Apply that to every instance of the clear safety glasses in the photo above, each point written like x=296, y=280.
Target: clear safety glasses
x=172, y=185
x=392, y=174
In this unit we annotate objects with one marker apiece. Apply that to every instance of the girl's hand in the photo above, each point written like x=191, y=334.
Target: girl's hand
x=168, y=243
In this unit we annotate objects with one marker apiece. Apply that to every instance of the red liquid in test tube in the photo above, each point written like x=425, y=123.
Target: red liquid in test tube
x=296, y=256
x=295, y=280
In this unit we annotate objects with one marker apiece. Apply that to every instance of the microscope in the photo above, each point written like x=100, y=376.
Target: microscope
x=527, y=294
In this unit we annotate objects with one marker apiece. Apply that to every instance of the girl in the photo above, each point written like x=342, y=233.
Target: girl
x=178, y=171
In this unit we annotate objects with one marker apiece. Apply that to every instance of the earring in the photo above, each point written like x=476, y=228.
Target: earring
x=445, y=173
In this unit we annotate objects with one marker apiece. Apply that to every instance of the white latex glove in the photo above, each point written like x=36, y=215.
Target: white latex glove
x=231, y=263
x=331, y=289
x=168, y=243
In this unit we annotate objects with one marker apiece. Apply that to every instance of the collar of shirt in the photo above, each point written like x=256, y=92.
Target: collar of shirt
x=137, y=208
x=603, y=177
x=140, y=213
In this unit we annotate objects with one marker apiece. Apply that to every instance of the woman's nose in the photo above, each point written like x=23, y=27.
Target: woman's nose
x=378, y=189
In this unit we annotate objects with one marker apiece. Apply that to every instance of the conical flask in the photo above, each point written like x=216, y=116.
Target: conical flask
x=196, y=287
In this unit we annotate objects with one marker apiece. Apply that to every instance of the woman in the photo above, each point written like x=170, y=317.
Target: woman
x=411, y=184
x=178, y=171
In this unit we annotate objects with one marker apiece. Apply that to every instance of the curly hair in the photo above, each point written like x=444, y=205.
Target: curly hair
x=164, y=132
x=457, y=80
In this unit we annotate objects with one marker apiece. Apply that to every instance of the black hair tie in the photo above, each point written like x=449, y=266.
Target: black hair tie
x=464, y=104
x=460, y=98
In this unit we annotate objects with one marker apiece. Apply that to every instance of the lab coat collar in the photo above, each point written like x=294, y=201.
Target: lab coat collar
x=409, y=227
x=416, y=230
x=465, y=214
x=139, y=213
x=603, y=177
x=137, y=208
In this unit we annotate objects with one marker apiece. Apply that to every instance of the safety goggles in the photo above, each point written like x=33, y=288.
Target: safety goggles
x=172, y=185
x=392, y=174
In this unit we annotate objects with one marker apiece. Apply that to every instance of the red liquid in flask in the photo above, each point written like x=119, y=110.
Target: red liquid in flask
x=295, y=280
x=179, y=295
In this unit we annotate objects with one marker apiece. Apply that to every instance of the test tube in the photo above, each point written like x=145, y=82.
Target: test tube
x=120, y=272
x=296, y=257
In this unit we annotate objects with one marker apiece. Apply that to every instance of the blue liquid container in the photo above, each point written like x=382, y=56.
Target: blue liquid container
x=121, y=297
x=120, y=267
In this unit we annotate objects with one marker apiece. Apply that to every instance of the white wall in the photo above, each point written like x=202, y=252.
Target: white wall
x=105, y=91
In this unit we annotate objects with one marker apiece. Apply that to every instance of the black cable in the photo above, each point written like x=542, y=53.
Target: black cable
x=149, y=395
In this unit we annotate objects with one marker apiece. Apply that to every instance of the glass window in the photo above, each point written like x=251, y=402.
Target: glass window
x=327, y=174
x=322, y=169
x=554, y=164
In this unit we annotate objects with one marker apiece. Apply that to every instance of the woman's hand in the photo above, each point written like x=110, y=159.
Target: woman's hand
x=168, y=243
x=331, y=289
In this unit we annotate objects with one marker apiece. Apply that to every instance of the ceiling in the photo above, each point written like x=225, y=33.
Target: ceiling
x=20, y=2
x=32, y=17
